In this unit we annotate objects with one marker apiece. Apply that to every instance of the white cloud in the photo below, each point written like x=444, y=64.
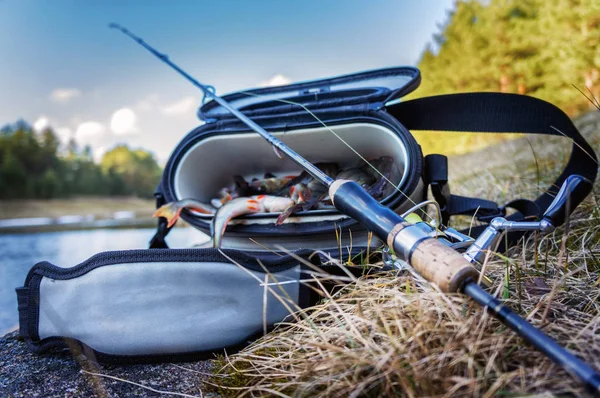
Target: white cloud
x=277, y=80
x=88, y=130
x=41, y=124
x=123, y=121
x=64, y=134
x=181, y=107
x=98, y=153
x=147, y=104
x=75, y=120
x=64, y=94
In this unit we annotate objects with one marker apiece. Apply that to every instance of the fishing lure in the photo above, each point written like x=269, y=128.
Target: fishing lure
x=239, y=188
x=171, y=211
x=241, y=206
x=311, y=193
x=269, y=186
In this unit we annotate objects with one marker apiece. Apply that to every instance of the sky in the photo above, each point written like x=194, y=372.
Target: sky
x=61, y=66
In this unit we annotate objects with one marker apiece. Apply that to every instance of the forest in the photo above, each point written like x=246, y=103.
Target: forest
x=545, y=49
x=35, y=165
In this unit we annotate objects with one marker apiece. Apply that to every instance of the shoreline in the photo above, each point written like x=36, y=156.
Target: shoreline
x=77, y=213
x=145, y=222
x=97, y=206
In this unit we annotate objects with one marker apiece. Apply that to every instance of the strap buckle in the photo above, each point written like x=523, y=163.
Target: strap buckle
x=441, y=193
x=158, y=240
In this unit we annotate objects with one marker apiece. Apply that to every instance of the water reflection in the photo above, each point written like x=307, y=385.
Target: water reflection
x=19, y=252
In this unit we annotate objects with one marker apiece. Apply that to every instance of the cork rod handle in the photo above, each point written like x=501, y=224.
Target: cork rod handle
x=441, y=265
x=431, y=258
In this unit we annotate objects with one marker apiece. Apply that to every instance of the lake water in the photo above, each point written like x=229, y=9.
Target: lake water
x=19, y=252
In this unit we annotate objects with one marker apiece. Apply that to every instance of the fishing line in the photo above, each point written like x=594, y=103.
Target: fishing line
x=397, y=188
x=591, y=98
x=209, y=91
x=574, y=142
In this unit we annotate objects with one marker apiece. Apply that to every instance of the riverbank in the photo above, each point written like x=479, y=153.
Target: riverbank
x=99, y=207
x=24, y=374
x=17, y=216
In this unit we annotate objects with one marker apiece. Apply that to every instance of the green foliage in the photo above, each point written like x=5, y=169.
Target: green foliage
x=49, y=185
x=31, y=167
x=534, y=47
x=13, y=175
x=138, y=170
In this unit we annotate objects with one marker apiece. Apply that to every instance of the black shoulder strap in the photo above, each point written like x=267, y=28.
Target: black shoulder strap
x=435, y=175
x=501, y=113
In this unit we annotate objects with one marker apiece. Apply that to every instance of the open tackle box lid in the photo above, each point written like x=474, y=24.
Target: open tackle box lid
x=355, y=104
x=372, y=88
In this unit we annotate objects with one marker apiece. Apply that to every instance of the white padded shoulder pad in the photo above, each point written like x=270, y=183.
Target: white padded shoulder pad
x=146, y=308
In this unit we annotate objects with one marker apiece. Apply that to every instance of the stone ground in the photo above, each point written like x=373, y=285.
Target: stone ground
x=24, y=374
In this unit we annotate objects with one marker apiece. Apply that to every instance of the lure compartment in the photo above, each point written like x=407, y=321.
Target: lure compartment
x=340, y=124
x=316, y=145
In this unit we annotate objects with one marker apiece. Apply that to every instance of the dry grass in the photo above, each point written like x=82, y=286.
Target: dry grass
x=389, y=335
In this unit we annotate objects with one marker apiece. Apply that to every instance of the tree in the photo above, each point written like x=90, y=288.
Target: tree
x=49, y=185
x=535, y=47
x=13, y=176
x=138, y=170
x=31, y=167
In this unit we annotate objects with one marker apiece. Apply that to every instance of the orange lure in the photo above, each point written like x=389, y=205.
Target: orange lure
x=240, y=206
x=171, y=211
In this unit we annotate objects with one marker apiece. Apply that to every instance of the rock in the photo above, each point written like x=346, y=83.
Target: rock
x=25, y=374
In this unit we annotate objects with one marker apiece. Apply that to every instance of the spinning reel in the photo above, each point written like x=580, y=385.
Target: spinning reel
x=573, y=190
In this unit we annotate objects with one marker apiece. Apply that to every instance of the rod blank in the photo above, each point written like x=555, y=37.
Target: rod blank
x=209, y=91
x=557, y=353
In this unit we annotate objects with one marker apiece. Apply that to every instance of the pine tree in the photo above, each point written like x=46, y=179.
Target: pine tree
x=533, y=47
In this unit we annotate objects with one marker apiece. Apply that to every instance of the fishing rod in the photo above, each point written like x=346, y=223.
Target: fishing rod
x=432, y=258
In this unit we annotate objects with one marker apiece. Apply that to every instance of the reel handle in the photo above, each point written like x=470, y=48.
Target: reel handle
x=572, y=192
x=436, y=262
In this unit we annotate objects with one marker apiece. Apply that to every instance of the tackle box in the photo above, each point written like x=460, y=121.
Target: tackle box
x=342, y=120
